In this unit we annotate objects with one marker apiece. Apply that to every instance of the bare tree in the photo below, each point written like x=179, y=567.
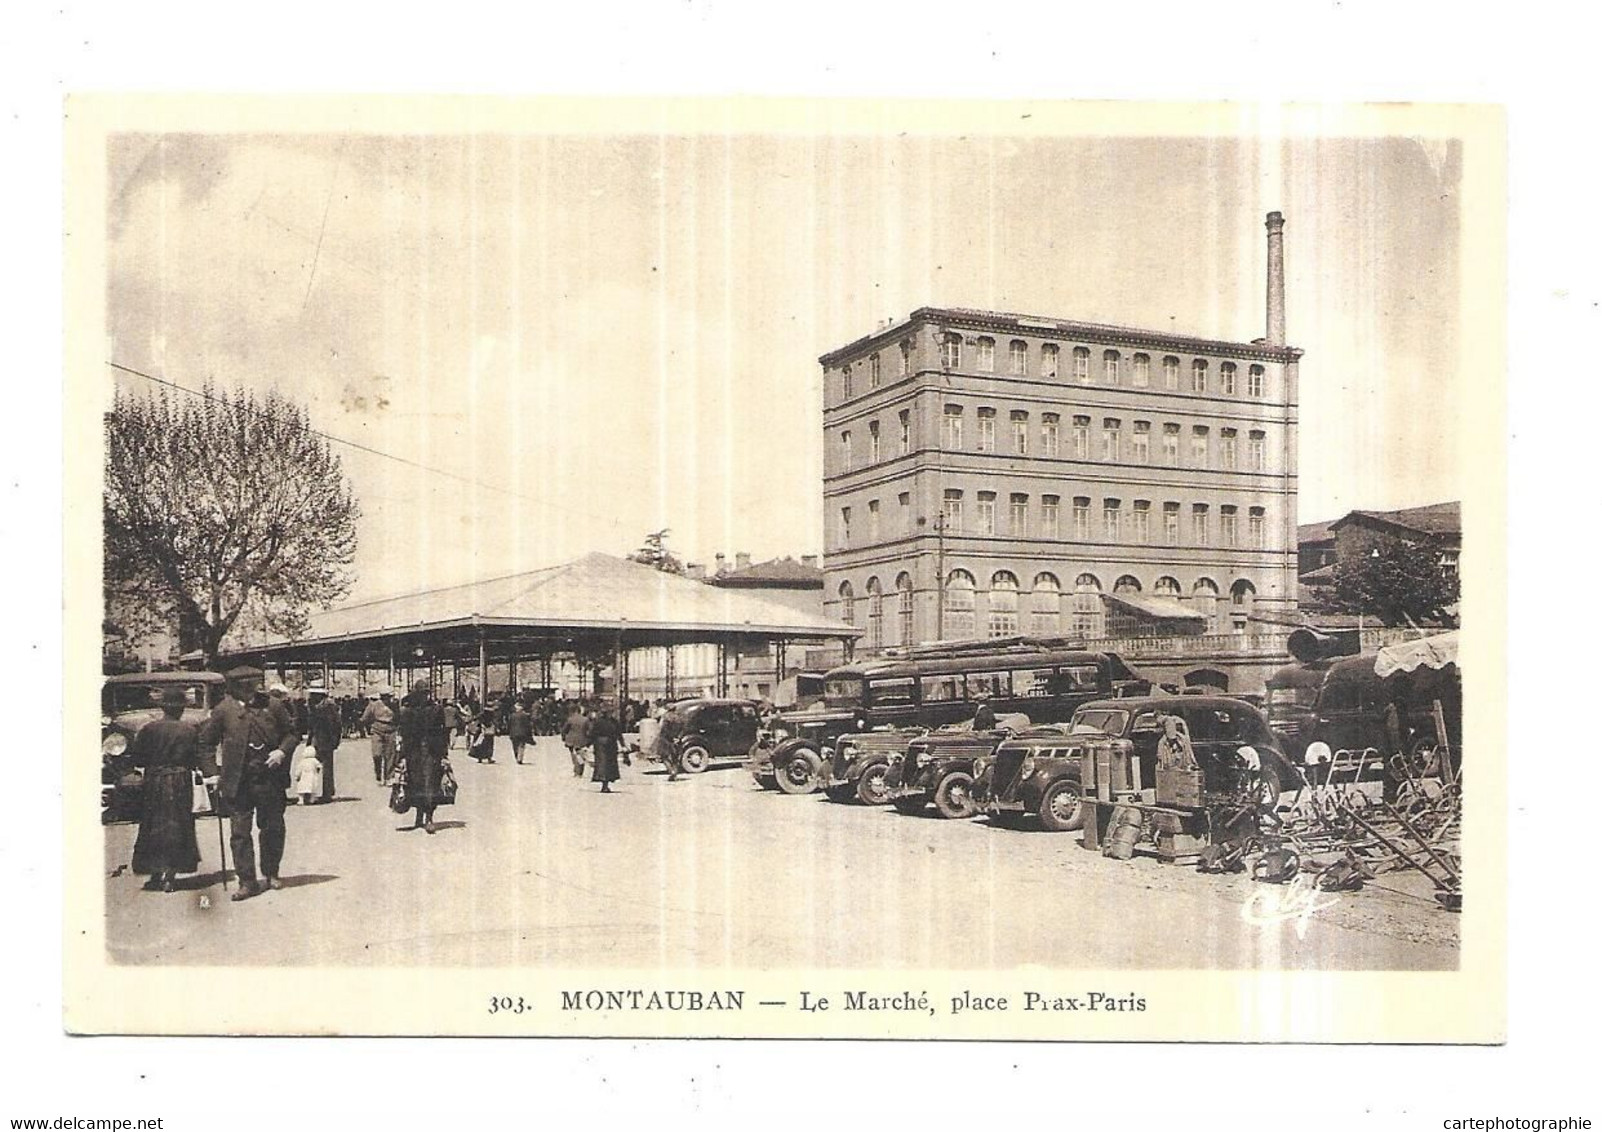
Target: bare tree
x=223, y=505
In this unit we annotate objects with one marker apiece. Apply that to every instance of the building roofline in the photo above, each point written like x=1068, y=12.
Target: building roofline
x=1107, y=333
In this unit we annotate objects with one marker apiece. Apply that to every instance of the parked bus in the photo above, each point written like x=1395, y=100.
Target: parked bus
x=934, y=687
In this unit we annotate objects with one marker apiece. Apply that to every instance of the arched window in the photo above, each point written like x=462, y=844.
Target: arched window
x=848, y=604
x=875, y=615
x=1109, y=366
x=1127, y=584
x=1045, y=606
x=1089, y=616
x=1198, y=376
x=1166, y=587
x=1004, y=604
x=1204, y=596
x=959, y=605
x=987, y=354
x=951, y=351
x=1018, y=358
x=903, y=609
x=1241, y=596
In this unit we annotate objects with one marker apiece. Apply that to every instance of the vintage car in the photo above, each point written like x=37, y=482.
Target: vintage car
x=793, y=753
x=1039, y=774
x=127, y=703
x=938, y=767
x=714, y=729
x=860, y=766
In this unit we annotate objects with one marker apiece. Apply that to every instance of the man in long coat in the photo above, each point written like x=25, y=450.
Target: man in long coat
x=324, y=731
x=576, y=736
x=255, y=737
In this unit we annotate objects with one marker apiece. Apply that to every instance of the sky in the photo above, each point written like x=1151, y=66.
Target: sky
x=585, y=338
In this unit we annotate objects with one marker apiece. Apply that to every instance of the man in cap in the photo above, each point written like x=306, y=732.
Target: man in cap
x=255, y=736
x=324, y=732
x=379, y=723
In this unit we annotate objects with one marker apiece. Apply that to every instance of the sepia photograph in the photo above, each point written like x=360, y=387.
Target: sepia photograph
x=842, y=568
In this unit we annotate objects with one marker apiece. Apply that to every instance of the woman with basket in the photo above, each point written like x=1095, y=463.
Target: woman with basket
x=427, y=778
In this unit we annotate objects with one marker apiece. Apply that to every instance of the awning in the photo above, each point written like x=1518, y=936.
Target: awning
x=1157, y=608
x=1430, y=652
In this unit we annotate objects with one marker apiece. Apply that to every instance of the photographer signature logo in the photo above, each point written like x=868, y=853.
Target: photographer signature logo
x=1294, y=903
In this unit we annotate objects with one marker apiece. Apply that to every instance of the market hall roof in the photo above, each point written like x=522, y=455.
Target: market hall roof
x=596, y=593
x=1150, y=605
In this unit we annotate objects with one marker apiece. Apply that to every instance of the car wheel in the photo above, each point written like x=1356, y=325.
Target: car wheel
x=1061, y=808
x=694, y=759
x=1268, y=788
x=799, y=773
x=872, y=789
x=954, y=796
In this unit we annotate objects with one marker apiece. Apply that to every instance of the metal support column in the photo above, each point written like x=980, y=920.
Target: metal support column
x=392, y=666
x=667, y=672
x=722, y=682
x=483, y=668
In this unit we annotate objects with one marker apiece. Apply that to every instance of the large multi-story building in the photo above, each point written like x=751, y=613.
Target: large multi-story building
x=990, y=474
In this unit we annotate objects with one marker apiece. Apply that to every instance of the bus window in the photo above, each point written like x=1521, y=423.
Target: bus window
x=842, y=692
x=1031, y=682
x=895, y=692
x=937, y=689
x=989, y=684
x=1079, y=678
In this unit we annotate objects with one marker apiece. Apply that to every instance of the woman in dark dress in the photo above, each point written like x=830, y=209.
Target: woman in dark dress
x=424, y=742
x=169, y=751
x=605, y=737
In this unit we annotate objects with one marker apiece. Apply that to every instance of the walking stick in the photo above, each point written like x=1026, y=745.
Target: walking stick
x=222, y=853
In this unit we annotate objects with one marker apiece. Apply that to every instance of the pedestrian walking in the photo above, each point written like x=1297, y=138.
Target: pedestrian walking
x=670, y=730
x=576, y=737
x=309, y=776
x=169, y=750
x=255, y=736
x=606, y=738
x=453, y=722
x=424, y=742
x=323, y=733
x=481, y=740
x=379, y=722
x=520, y=729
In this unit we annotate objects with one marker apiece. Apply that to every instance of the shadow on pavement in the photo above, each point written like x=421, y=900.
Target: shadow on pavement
x=307, y=878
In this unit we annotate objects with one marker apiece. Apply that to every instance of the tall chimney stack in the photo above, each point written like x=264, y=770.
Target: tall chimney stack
x=1276, y=279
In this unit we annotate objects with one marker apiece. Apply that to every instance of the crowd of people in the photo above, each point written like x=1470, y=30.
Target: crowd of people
x=245, y=753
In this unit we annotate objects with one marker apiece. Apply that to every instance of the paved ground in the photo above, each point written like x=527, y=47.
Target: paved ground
x=535, y=868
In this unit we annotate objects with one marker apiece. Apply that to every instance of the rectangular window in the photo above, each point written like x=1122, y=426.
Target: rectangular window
x=1051, y=516
x=906, y=357
x=845, y=526
x=873, y=520
x=1081, y=438
x=1018, y=359
x=1018, y=515
x=1081, y=519
x=1140, y=521
x=845, y=383
x=987, y=354
x=1020, y=433
x=904, y=419
x=1142, y=373
x=986, y=441
x=1226, y=525
x=1048, y=360
x=1171, y=524
x=1226, y=378
x=1226, y=449
x=951, y=428
x=986, y=516
x=1110, y=511
x=951, y=351
x=1110, y=450
x=1140, y=443
x=1256, y=526
x=904, y=512
x=873, y=371
x=1198, y=446
x=1254, y=382
x=1170, y=372
x=1198, y=376
x=1050, y=441
x=1171, y=445
x=873, y=441
x=1081, y=365
x=1109, y=366
x=951, y=509
x=845, y=450
x=941, y=689
x=1198, y=525
x=1256, y=451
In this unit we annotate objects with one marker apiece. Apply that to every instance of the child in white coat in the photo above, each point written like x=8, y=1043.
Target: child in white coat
x=308, y=777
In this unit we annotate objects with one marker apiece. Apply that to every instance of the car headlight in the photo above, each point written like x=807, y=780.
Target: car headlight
x=1027, y=767
x=114, y=744
x=980, y=765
